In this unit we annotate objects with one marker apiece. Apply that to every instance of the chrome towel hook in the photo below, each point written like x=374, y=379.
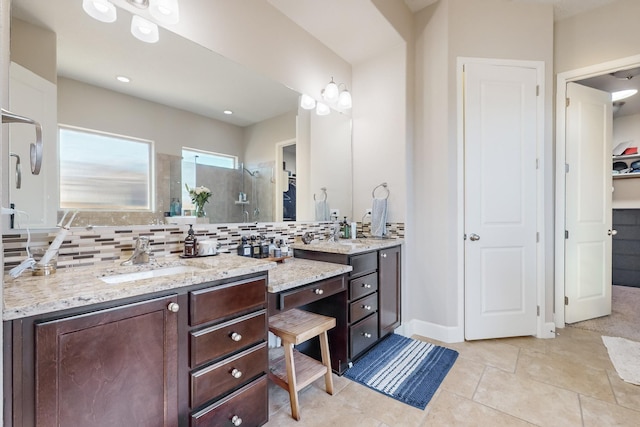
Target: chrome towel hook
x=385, y=187
x=36, y=148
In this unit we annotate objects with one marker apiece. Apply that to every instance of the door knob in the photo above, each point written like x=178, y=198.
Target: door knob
x=474, y=237
x=612, y=232
x=173, y=307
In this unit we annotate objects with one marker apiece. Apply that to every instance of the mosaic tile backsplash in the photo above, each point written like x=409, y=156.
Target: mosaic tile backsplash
x=86, y=247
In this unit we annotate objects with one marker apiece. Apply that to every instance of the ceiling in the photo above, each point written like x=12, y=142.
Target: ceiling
x=174, y=71
x=561, y=8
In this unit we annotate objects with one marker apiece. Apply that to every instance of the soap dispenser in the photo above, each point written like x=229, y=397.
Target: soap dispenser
x=190, y=243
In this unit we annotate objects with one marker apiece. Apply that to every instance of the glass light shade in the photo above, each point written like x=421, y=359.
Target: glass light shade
x=165, y=11
x=307, y=102
x=344, y=101
x=144, y=30
x=102, y=10
x=331, y=92
x=622, y=94
x=322, y=109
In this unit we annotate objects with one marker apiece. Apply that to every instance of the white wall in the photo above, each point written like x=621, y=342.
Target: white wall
x=260, y=139
x=83, y=105
x=379, y=131
x=600, y=35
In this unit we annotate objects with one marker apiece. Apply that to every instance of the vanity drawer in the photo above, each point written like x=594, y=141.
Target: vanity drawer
x=363, y=335
x=216, y=341
x=310, y=293
x=215, y=380
x=363, y=285
x=222, y=301
x=363, y=307
x=364, y=263
x=247, y=406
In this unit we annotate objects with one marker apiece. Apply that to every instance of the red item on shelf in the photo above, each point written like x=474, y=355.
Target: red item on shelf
x=630, y=150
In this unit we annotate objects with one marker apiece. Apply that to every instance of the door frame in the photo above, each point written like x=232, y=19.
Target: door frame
x=543, y=330
x=561, y=145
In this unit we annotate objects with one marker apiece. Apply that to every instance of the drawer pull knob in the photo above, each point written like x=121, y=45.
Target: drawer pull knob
x=383, y=255
x=173, y=307
x=236, y=420
x=236, y=336
x=366, y=285
x=366, y=307
x=236, y=373
x=366, y=335
x=318, y=291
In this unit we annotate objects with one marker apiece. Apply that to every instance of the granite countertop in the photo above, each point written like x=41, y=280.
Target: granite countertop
x=30, y=295
x=296, y=272
x=349, y=246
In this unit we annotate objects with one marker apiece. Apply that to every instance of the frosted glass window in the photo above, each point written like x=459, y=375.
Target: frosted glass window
x=100, y=171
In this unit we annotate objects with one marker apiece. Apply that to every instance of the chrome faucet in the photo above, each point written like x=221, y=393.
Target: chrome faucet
x=140, y=253
x=334, y=233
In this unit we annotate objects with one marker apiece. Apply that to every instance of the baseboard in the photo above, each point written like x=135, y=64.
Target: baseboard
x=446, y=334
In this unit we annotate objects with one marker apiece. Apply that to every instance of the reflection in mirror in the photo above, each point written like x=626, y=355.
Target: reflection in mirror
x=176, y=98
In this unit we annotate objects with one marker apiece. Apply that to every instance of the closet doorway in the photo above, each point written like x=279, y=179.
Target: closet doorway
x=567, y=266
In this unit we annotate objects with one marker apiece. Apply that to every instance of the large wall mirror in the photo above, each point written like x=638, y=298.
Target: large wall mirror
x=64, y=66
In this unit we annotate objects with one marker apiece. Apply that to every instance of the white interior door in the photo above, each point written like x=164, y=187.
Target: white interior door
x=588, y=203
x=500, y=124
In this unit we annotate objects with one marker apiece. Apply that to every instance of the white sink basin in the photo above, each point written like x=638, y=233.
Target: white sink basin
x=149, y=274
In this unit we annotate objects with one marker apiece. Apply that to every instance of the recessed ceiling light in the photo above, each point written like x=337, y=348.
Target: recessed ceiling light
x=228, y=112
x=622, y=94
x=123, y=79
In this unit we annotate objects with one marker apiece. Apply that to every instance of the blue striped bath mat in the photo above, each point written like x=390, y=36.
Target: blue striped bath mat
x=405, y=369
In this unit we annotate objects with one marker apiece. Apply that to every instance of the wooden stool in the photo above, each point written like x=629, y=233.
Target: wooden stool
x=294, y=371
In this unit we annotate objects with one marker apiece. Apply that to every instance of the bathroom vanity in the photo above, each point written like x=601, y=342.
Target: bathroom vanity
x=192, y=343
x=190, y=335
x=368, y=309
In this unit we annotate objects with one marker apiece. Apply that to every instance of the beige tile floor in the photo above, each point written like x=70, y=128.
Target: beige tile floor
x=566, y=381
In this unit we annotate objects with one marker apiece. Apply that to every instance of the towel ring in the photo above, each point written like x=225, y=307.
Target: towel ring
x=324, y=192
x=384, y=186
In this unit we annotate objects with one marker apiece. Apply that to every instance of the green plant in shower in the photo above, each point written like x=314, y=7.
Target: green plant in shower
x=199, y=196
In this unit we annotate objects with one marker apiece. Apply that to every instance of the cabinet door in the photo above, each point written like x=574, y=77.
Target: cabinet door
x=114, y=367
x=389, y=289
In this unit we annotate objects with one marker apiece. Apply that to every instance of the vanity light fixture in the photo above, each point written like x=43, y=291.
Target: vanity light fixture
x=102, y=10
x=165, y=11
x=331, y=93
x=622, y=94
x=144, y=30
x=307, y=102
x=322, y=109
x=344, y=99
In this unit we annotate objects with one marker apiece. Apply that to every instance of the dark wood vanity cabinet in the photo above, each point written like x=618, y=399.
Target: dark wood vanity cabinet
x=371, y=309
x=116, y=366
x=196, y=356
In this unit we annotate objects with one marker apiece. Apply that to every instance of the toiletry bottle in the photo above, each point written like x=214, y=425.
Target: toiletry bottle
x=272, y=248
x=264, y=247
x=284, y=249
x=255, y=247
x=346, y=229
x=354, y=230
x=244, y=248
x=190, y=243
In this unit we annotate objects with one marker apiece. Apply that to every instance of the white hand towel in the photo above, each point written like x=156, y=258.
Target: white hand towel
x=322, y=210
x=379, y=217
